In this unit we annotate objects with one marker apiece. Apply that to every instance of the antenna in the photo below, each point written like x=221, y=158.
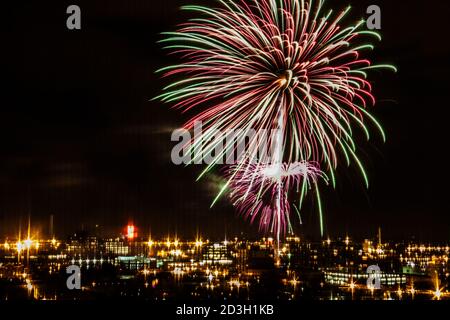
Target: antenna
x=51, y=232
x=379, y=236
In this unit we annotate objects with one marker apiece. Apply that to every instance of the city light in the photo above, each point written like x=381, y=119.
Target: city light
x=19, y=246
x=352, y=285
x=294, y=282
x=226, y=266
x=131, y=232
x=413, y=291
x=28, y=242
x=198, y=243
x=437, y=294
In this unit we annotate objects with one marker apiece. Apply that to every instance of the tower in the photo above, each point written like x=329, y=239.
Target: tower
x=50, y=230
x=379, y=237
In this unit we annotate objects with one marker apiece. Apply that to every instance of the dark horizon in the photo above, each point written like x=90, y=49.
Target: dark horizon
x=42, y=231
x=81, y=139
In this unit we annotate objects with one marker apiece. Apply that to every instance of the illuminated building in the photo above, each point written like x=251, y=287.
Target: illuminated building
x=131, y=232
x=116, y=247
x=341, y=278
x=216, y=253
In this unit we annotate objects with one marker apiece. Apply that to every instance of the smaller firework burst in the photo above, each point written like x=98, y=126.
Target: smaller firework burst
x=261, y=191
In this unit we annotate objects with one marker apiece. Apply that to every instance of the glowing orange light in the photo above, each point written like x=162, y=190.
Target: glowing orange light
x=28, y=243
x=131, y=232
x=437, y=294
x=198, y=243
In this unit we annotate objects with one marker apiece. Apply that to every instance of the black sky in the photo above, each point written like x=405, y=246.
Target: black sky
x=80, y=139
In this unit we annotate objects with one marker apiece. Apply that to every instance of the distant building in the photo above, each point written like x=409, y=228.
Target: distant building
x=217, y=253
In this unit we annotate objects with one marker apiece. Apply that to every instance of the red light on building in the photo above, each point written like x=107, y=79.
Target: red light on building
x=131, y=232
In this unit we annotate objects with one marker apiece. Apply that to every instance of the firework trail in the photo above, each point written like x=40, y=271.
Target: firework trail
x=262, y=191
x=274, y=64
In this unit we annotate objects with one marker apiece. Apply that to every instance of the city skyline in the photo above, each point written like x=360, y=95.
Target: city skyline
x=29, y=230
x=27, y=225
x=232, y=269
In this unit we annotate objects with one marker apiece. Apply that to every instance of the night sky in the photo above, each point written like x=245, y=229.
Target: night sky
x=80, y=138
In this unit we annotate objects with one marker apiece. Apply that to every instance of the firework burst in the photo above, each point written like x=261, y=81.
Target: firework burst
x=275, y=64
x=261, y=191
